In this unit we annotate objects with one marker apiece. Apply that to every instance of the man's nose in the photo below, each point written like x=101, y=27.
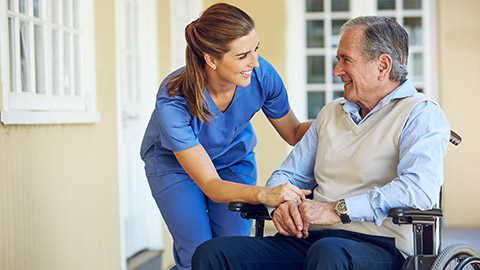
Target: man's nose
x=338, y=70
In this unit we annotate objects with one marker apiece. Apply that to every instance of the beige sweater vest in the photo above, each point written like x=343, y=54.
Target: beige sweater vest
x=353, y=159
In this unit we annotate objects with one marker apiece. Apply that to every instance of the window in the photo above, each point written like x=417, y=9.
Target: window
x=323, y=22
x=48, y=65
x=311, y=76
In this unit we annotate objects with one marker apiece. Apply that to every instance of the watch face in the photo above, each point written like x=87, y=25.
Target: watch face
x=341, y=207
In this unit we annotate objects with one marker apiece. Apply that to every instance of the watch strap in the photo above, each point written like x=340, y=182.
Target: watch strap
x=341, y=209
x=345, y=218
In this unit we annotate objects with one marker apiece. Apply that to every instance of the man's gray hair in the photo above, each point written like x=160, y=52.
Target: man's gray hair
x=383, y=36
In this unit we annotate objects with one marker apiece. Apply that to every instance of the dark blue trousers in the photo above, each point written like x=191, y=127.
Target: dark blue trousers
x=325, y=249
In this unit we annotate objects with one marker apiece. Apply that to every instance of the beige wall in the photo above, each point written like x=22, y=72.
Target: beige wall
x=59, y=183
x=459, y=69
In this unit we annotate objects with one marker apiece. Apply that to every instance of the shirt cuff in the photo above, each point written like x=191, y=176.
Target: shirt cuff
x=359, y=208
x=270, y=210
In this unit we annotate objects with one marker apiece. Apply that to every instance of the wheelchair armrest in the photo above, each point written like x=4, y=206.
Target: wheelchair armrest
x=409, y=215
x=249, y=211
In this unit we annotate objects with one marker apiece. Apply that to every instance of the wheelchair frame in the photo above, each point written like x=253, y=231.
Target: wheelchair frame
x=426, y=234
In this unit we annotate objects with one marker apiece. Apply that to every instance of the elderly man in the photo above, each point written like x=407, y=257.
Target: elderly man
x=381, y=146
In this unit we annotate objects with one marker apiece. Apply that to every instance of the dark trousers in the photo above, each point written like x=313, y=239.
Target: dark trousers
x=325, y=249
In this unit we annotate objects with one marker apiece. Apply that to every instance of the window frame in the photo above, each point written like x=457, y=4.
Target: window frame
x=297, y=51
x=40, y=105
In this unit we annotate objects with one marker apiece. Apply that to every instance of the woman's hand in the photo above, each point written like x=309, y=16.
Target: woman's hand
x=287, y=192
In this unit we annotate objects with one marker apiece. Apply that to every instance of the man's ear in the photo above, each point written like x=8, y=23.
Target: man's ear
x=210, y=60
x=384, y=66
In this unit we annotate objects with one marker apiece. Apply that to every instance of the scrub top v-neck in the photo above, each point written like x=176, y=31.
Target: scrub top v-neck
x=211, y=102
x=229, y=138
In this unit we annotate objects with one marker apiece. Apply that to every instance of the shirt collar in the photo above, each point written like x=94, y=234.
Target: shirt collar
x=406, y=89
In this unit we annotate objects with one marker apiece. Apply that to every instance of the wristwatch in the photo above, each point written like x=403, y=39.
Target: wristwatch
x=341, y=209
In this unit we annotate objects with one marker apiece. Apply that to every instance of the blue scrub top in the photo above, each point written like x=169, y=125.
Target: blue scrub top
x=229, y=138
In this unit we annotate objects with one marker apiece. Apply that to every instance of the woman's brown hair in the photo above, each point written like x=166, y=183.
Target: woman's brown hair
x=210, y=34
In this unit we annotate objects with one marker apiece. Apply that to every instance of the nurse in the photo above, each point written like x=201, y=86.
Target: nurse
x=198, y=145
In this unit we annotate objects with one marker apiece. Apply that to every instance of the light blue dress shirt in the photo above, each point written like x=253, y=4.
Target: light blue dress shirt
x=422, y=147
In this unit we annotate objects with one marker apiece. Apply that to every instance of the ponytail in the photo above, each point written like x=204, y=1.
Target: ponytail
x=210, y=34
x=192, y=81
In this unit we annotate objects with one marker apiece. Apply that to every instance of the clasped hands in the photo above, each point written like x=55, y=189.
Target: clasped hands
x=293, y=217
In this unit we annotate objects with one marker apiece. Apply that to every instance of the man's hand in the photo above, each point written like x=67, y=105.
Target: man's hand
x=317, y=213
x=287, y=219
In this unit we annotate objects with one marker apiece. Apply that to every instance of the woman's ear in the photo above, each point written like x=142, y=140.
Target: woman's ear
x=384, y=66
x=210, y=60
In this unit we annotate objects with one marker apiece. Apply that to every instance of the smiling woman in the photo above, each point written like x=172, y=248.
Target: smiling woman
x=198, y=146
x=235, y=67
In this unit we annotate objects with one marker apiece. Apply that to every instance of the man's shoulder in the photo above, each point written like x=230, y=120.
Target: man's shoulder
x=336, y=102
x=413, y=100
x=331, y=109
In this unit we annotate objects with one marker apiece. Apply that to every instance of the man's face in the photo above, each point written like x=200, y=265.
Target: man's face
x=360, y=77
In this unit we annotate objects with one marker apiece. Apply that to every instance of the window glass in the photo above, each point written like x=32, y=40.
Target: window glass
x=316, y=69
x=337, y=94
x=314, y=5
x=77, y=68
x=316, y=101
x=385, y=4
x=66, y=65
x=13, y=53
x=66, y=13
x=56, y=77
x=76, y=15
x=55, y=11
x=412, y=4
x=39, y=59
x=413, y=25
x=336, y=32
x=315, y=34
x=36, y=8
x=23, y=6
x=415, y=65
x=24, y=56
x=340, y=5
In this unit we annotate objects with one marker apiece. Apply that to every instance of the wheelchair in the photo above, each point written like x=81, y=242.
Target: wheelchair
x=428, y=253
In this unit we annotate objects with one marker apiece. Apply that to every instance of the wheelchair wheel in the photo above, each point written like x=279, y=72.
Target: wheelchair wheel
x=470, y=263
x=457, y=257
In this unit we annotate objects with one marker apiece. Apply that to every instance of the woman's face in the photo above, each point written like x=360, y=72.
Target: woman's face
x=237, y=64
